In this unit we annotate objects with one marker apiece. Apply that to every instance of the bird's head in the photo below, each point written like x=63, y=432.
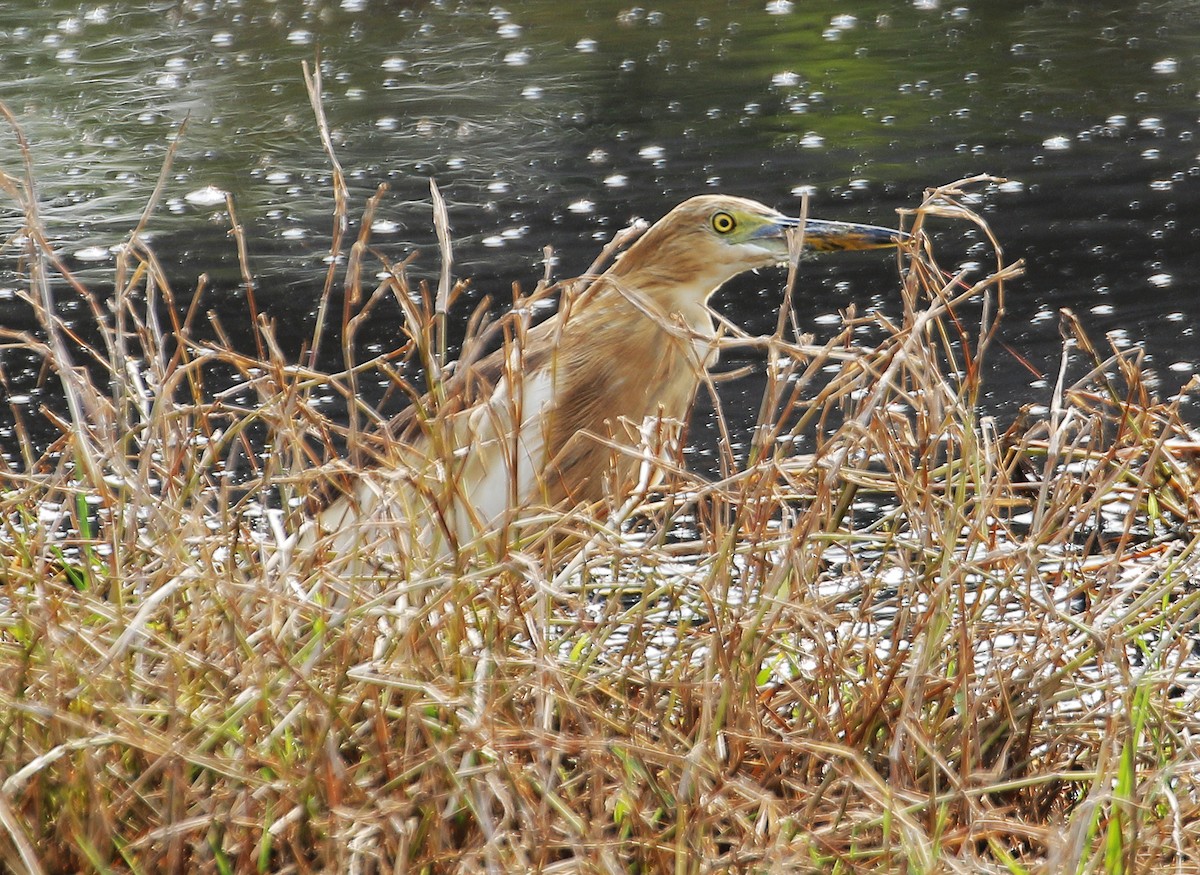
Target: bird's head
x=706, y=240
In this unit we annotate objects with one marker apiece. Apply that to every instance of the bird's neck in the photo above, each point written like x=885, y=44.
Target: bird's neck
x=675, y=308
x=661, y=292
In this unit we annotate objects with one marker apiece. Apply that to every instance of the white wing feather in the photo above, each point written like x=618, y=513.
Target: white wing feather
x=425, y=506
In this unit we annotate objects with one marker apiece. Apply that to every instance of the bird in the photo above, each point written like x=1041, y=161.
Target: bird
x=563, y=414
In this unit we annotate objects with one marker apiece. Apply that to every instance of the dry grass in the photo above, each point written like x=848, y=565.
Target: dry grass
x=929, y=646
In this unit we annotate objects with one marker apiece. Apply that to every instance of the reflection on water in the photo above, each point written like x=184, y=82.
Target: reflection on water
x=552, y=123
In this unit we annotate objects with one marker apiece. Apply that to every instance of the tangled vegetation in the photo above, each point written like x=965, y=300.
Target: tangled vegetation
x=930, y=645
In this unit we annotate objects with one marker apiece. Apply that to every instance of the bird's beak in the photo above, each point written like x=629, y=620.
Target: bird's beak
x=823, y=236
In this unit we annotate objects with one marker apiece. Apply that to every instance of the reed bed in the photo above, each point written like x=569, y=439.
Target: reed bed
x=934, y=644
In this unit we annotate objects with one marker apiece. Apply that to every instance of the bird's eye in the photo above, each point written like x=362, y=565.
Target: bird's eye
x=723, y=222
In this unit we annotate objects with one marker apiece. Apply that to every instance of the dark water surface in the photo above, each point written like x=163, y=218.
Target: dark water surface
x=555, y=123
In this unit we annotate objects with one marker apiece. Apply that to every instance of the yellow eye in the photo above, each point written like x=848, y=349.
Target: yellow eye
x=723, y=222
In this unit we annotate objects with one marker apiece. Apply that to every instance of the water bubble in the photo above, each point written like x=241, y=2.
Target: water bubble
x=1166, y=66
x=583, y=206
x=1160, y=280
x=509, y=30
x=812, y=140
x=533, y=92
x=843, y=22
x=1056, y=144
x=1151, y=154
x=92, y=253
x=222, y=38
x=652, y=153
x=518, y=57
x=780, y=7
x=384, y=226
x=394, y=64
x=209, y=196
x=300, y=37
x=616, y=180
x=785, y=79
x=586, y=45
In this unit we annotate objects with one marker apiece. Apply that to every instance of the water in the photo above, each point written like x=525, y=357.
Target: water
x=552, y=123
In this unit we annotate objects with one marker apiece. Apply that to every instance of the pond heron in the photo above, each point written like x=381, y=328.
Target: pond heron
x=570, y=411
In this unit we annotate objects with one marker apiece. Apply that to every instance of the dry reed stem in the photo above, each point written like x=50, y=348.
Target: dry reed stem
x=927, y=645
